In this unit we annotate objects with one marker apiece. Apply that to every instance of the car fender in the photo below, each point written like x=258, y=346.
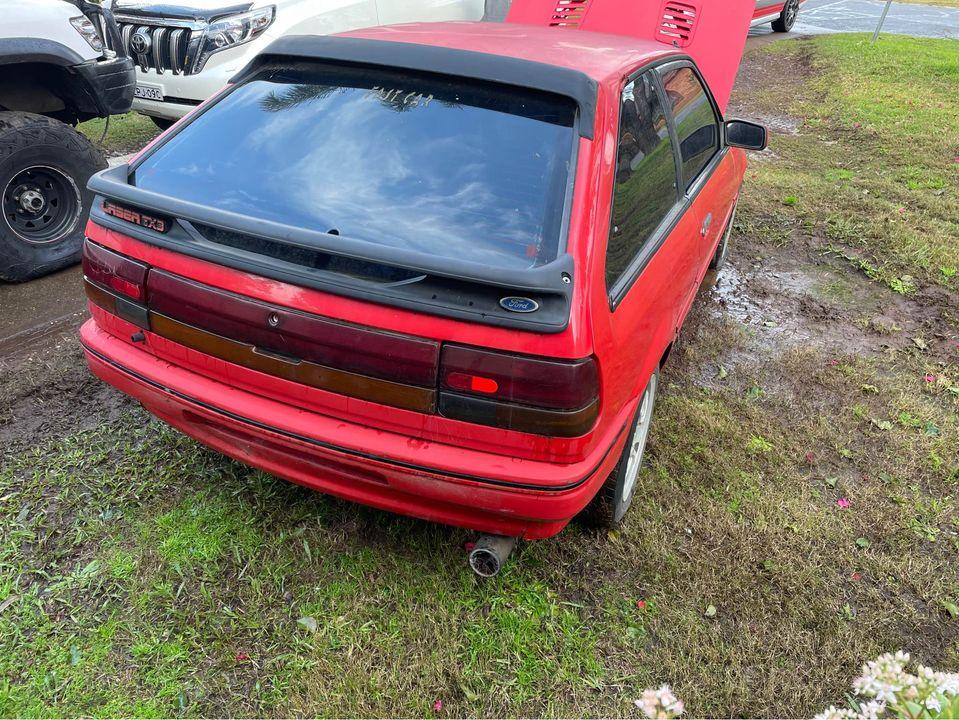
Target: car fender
x=44, y=30
x=17, y=50
x=306, y=17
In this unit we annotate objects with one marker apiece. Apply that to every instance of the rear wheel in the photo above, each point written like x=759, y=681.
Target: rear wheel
x=613, y=500
x=784, y=23
x=44, y=168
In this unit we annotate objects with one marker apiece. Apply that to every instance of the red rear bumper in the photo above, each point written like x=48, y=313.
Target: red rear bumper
x=348, y=460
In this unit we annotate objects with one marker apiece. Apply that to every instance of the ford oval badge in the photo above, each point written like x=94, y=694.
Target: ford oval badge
x=519, y=304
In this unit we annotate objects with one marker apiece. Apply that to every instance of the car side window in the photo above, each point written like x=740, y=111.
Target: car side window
x=697, y=127
x=645, y=175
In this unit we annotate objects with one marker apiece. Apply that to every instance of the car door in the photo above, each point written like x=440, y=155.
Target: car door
x=768, y=9
x=705, y=179
x=645, y=244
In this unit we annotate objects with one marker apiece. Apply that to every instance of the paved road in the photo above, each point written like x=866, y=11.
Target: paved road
x=820, y=16
x=45, y=310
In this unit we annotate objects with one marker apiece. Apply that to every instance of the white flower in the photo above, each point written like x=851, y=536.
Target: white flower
x=932, y=702
x=871, y=710
x=947, y=683
x=834, y=713
x=661, y=703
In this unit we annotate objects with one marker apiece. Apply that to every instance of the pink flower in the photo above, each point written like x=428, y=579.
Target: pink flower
x=856, y=577
x=833, y=362
x=438, y=706
x=857, y=125
x=810, y=457
x=242, y=657
x=902, y=211
x=843, y=503
x=641, y=604
x=930, y=378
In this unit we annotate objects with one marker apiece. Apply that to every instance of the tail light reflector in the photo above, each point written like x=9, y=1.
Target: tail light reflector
x=518, y=392
x=114, y=272
x=542, y=382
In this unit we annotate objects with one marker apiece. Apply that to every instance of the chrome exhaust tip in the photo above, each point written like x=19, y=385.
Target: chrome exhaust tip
x=490, y=554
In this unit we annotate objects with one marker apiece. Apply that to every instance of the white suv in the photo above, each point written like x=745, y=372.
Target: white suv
x=185, y=52
x=55, y=71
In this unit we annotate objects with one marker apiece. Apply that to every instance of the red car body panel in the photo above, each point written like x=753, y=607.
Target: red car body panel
x=427, y=465
x=712, y=33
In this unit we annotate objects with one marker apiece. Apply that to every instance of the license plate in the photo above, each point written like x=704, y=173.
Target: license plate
x=148, y=92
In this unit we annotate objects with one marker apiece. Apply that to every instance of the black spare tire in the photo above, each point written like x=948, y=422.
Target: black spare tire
x=44, y=201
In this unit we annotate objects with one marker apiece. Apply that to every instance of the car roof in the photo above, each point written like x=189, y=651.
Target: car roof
x=603, y=57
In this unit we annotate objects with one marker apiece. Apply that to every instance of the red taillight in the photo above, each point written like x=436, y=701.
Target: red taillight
x=541, y=382
x=114, y=272
x=519, y=392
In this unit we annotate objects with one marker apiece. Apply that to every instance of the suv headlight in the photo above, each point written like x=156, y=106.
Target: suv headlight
x=232, y=31
x=89, y=32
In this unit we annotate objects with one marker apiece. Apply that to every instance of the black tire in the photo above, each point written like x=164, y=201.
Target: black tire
x=44, y=201
x=615, y=497
x=722, y=251
x=784, y=23
x=162, y=123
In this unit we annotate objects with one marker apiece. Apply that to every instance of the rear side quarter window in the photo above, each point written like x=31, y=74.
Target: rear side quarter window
x=697, y=127
x=645, y=189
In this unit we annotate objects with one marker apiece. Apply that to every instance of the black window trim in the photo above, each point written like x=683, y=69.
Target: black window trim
x=720, y=135
x=620, y=289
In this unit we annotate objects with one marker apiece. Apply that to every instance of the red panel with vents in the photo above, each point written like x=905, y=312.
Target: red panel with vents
x=713, y=32
x=569, y=13
x=677, y=23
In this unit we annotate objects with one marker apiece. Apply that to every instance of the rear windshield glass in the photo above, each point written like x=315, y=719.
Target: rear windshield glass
x=441, y=166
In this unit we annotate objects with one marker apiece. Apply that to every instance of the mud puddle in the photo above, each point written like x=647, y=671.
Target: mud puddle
x=37, y=314
x=769, y=305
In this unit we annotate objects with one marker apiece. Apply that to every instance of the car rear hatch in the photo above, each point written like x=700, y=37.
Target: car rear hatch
x=395, y=188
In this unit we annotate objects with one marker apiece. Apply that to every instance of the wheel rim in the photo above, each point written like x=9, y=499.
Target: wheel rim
x=637, y=443
x=41, y=204
x=792, y=10
x=724, y=250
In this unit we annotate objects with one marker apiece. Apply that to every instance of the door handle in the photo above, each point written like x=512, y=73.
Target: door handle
x=706, y=225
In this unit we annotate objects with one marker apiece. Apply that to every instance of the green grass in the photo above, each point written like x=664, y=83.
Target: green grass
x=142, y=575
x=875, y=168
x=126, y=133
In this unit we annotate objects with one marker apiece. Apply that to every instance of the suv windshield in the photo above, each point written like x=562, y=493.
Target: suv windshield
x=442, y=166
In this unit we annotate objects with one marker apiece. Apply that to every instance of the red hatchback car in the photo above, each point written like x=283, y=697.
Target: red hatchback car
x=432, y=268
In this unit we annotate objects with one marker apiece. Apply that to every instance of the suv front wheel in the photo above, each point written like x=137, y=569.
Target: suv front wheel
x=44, y=169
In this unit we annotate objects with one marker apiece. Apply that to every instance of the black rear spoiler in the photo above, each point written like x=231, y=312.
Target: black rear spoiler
x=554, y=79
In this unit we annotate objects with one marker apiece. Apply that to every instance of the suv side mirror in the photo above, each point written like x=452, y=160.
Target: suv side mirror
x=745, y=134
